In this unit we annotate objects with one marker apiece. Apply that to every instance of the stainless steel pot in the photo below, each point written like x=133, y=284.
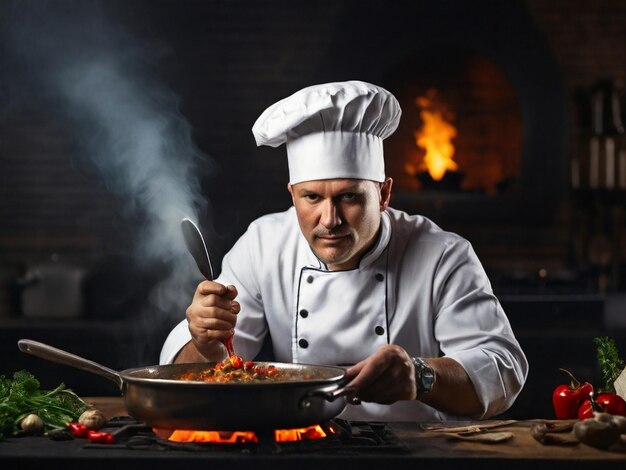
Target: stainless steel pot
x=52, y=290
x=153, y=395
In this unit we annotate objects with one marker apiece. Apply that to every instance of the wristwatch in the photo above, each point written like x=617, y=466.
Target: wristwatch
x=424, y=376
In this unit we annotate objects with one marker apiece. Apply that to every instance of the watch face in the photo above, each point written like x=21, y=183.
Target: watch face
x=428, y=378
x=424, y=375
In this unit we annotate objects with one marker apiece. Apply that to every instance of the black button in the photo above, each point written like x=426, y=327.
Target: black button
x=380, y=277
x=304, y=313
x=303, y=343
x=379, y=330
x=309, y=279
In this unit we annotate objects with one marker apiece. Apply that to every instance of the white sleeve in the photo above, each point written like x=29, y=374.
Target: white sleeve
x=174, y=342
x=472, y=329
x=243, y=267
x=240, y=267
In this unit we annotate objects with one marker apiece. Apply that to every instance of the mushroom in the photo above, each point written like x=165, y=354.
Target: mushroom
x=601, y=431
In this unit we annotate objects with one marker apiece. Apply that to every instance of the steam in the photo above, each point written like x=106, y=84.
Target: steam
x=143, y=151
x=97, y=75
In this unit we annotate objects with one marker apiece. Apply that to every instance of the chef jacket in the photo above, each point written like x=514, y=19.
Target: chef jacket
x=419, y=287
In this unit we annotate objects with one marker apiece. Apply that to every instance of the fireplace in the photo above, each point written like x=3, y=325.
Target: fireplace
x=499, y=135
x=461, y=127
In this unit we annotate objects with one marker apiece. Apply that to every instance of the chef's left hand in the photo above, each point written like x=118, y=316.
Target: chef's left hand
x=385, y=377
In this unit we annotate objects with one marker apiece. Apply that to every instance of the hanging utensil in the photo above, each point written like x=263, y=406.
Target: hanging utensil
x=196, y=246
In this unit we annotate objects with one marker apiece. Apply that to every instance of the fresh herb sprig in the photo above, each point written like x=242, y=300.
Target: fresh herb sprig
x=23, y=395
x=609, y=361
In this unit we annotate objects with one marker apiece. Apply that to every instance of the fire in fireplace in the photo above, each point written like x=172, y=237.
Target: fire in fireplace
x=435, y=139
x=461, y=127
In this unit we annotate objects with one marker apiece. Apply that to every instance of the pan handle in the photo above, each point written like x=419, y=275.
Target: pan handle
x=59, y=356
x=328, y=394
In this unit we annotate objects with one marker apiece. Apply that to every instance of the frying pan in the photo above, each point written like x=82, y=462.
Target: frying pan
x=153, y=395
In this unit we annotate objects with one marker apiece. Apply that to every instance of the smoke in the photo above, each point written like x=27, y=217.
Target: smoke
x=92, y=70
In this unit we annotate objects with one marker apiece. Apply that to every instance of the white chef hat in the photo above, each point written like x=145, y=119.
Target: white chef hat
x=333, y=130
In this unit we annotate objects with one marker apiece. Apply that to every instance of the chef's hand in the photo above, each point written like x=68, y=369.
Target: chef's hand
x=212, y=316
x=385, y=377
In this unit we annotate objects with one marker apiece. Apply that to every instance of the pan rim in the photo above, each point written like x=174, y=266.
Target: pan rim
x=336, y=379
x=333, y=381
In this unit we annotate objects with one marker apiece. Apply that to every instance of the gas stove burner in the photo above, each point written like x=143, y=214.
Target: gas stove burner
x=346, y=437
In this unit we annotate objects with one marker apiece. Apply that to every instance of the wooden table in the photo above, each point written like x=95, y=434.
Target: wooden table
x=423, y=449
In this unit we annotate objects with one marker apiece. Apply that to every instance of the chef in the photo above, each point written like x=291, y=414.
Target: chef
x=341, y=278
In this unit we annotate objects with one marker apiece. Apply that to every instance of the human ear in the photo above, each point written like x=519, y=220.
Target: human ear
x=385, y=193
x=290, y=189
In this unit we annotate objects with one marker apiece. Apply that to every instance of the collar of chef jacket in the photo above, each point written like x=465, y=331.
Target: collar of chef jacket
x=341, y=316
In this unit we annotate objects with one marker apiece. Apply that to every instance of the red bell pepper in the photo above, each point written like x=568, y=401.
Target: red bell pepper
x=605, y=402
x=567, y=399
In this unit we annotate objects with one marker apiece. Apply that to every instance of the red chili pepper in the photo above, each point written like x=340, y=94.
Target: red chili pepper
x=567, y=399
x=78, y=429
x=100, y=437
x=605, y=402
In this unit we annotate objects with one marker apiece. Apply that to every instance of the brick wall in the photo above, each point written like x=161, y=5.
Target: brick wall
x=227, y=62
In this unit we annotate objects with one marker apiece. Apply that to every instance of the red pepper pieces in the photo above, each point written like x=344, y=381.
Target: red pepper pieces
x=82, y=431
x=567, y=399
x=100, y=437
x=78, y=429
x=236, y=361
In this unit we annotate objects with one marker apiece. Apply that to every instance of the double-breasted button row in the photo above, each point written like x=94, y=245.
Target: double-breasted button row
x=380, y=277
x=303, y=343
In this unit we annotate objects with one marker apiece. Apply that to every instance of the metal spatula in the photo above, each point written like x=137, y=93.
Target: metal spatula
x=197, y=248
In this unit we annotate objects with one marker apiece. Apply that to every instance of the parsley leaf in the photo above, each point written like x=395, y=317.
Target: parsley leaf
x=23, y=395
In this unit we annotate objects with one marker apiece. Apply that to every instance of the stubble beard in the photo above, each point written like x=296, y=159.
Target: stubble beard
x=334, y=255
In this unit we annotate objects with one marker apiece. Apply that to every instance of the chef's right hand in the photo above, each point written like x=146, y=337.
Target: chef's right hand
x=212, y=316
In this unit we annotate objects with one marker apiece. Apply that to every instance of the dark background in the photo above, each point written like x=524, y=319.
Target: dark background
x=553, y=252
